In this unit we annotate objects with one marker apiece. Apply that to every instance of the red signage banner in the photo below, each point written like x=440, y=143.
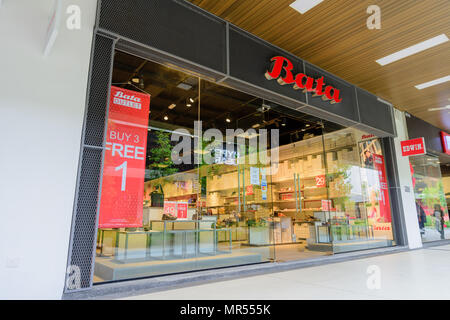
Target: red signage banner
x=385, y=206
x=445, y=138
x=413, y=147
x=124, y=164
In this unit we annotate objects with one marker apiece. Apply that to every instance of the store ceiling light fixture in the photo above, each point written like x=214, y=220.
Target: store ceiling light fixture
x=184, y=86
x=173, y=105
x=304, y=5
x=433, y=82
x=439, y=109
x=419, y=47
x=166, y=118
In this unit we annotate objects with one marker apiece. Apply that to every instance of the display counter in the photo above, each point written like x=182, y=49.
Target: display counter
x=168, y=239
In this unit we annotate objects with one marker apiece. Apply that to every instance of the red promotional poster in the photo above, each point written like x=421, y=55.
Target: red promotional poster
x=182, y=208
x=124, y=164
x=385, y=207
x=170, y=208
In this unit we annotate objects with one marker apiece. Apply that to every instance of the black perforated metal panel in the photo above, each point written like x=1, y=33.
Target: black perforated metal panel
x=375, y=113
x=96, y=112
x=83, y=237
x=176, y=27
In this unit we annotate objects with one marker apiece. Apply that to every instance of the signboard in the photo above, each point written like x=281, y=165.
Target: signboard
x=320, y=181
x=176, y=209
x=182, y=209
x=249, y=190
x=124, y=163
x=264, y=190
x=282, y=70
x=170, y=208
x=254, y=175
x=445, y=138
x=413, y=147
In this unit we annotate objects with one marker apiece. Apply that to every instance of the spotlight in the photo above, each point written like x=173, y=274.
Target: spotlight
x=166, y=118
x=191, y=100
x=188, y=105
x=283, y=122
x=228, y=120
x=135, y=79
x=307, y=125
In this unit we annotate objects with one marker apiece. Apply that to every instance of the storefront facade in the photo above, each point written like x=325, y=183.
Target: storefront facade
x=312, y=172
x=430, y=175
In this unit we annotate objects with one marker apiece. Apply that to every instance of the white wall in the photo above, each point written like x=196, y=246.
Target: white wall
x=409, y=204
x=42, y=103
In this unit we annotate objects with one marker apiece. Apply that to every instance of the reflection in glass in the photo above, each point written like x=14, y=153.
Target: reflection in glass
x=432, y=212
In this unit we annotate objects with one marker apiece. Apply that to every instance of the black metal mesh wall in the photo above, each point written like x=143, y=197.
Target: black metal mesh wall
x=85, y=214
x=171, y=26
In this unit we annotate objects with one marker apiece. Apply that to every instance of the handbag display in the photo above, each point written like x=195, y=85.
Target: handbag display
x=157, y=197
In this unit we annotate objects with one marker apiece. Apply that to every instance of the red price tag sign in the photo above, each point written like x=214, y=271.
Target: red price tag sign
x=124, y=163
x=320, y=181
x=170, y=208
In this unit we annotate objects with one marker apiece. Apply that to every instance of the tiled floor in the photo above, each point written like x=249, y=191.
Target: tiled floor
x=419, y=274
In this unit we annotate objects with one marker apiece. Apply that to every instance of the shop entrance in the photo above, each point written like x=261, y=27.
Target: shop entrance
x=232, y=179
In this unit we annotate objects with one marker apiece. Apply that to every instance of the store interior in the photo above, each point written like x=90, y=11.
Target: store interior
x=306, y=189
x=431, y=181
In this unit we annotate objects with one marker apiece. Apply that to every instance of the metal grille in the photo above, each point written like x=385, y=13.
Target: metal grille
x=100, y=78
x=176, y=27
x=84, y=226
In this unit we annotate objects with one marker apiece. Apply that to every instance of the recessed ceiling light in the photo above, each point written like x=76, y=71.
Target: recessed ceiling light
x=307, y=125
x=173, y=105
x=433, y=82
x=304, y=5
x=437, y=109
x=184, y=86
x=421, y=46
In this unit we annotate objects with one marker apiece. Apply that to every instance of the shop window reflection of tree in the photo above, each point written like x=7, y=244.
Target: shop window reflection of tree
x=160, y=159
x=342, y=188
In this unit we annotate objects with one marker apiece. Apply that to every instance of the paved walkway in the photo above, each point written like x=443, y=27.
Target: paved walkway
x=419, y=274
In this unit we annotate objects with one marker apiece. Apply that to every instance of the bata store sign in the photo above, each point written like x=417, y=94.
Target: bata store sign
x=124, y=163
x=281, y=69
x=413, y=147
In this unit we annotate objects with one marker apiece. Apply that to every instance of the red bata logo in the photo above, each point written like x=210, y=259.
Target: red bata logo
x=282, y=63
x=127, y=100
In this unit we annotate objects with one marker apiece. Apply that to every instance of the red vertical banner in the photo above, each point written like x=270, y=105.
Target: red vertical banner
x=121, y=203
x=385, y=206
